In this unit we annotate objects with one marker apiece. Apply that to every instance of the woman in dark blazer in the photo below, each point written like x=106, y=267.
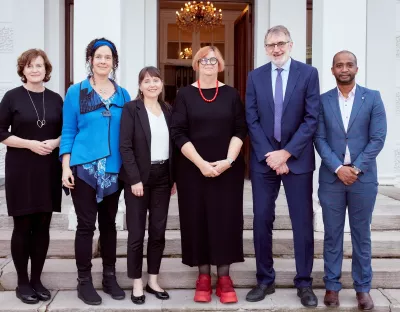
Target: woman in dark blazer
x=146, y=151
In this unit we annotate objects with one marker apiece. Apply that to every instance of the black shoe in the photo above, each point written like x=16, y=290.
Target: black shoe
x=111, y=287
x=42, y=293
x=138, y=300
x=307, y=296
x=29, y=297
x=162, y=295
x=259, y=292
x=86, y=291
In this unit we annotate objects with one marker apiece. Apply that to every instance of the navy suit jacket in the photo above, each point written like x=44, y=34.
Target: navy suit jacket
x=365, y=134
x=299, y=117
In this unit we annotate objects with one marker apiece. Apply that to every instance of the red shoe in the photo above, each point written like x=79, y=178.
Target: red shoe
x=225, y=290
x=203, y=288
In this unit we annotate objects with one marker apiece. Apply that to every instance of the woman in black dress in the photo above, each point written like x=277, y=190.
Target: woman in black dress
x=208, y=126
x=32, y=168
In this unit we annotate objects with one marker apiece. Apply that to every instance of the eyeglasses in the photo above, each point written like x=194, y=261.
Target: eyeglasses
x=211, y=60
x=280, y=45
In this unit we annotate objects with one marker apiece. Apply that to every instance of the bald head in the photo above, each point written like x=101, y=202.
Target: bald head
x=344, y=52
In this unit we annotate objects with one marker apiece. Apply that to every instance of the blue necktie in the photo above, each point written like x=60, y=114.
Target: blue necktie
x=278, y=105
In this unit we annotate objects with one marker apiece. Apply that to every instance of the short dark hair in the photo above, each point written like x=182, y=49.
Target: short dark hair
x=27, y=57
x=91, y=49
x=341, y=52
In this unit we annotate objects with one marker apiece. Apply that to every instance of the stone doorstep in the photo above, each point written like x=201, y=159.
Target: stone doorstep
x=61, y=274
x=384, y=244
x=182, y=300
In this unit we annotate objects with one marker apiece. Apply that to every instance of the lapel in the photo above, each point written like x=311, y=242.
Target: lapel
x=334, y=102
x=266, y=84
x=294, y=75
x=358, y=102
x=144, y=120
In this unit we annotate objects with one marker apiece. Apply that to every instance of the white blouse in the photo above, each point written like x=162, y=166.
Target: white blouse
x=159, y=136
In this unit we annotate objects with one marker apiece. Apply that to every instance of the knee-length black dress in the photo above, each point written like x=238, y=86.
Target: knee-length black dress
x=32, y=182
x=210, y=209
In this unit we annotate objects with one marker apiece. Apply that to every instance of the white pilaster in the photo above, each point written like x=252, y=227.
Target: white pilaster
x=261, y=25
x=397, y=100
x=334, y=31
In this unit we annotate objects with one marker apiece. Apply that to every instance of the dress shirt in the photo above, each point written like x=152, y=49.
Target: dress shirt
x=159, y=149
x=284, y=74
x=346, y=105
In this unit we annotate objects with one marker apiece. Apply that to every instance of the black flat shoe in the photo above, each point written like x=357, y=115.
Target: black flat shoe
x=162, y=295
x=259, y=292
x=138, y=300
x=29, y=299
x=43, y=295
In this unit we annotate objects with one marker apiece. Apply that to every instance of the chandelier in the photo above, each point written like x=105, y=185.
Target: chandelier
x=198, y=15
x=186, y=53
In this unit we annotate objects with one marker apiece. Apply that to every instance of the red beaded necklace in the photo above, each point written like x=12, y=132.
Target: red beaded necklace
x=202, y=96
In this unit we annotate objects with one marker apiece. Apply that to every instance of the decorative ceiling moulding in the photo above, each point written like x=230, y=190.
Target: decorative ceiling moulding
x=6, y=38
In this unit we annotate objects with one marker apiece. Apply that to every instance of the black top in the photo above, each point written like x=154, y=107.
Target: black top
x=33, y=182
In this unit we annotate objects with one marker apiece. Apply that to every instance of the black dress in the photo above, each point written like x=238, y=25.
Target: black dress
x=32, y=182
x=210, y=209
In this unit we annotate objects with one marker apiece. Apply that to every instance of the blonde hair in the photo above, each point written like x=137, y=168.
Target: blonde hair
x=203, y=52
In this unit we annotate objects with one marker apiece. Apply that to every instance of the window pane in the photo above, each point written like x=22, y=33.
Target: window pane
x=173, y=50
x=186, y=45
x=186, y=36
x=205, y=36
x=219, y=34
x=173, y=32
x=221, y=48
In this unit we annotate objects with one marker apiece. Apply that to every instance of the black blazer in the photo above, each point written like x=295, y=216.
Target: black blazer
x=135, y=143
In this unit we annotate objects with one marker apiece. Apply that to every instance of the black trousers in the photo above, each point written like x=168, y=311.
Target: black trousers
x=30, y=238
x=87, y=208
x=157, y=193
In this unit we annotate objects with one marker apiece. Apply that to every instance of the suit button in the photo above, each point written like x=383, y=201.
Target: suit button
x=343, y=155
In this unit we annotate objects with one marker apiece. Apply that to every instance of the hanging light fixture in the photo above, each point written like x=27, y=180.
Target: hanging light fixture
x=198, y=15
x=186, y=53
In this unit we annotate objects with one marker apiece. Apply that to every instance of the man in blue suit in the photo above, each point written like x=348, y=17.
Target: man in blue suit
x=282, y=106
x=351, y=133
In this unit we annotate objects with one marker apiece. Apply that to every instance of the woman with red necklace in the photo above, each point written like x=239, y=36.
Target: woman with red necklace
x=208, y=126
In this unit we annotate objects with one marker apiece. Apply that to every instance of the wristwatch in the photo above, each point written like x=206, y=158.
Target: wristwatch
x=357, y=169
x=231, y=161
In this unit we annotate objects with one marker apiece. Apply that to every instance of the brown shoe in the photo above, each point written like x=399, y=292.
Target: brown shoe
x=365, y=301
x=331, y=298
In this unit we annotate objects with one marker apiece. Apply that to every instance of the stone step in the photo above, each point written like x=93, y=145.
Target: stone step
x=385, y=244
x=61, y=273
x=283, y=300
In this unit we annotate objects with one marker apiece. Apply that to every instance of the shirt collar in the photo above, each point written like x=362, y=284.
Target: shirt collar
x=285, y=66
x=351, y=93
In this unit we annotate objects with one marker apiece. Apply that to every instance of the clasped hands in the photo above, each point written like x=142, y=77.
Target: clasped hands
x=347, y=175
x=214, y=169
x=277, y=161
x=43, y=148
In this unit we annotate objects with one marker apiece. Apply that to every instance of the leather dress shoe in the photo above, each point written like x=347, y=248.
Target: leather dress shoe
x=162, y=295
x=43, y=295
x=331, y=298
x=365, y=301
x=259, y=292
x=29, y=299
x=138, y=300
x=307, y=296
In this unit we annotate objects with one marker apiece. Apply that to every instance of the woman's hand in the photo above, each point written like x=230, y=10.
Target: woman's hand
x=221, y=165
x=208, y=170
x=173, y=189
x=137, y=189
x=39, y=148
x=52, y=144
x=68, y=179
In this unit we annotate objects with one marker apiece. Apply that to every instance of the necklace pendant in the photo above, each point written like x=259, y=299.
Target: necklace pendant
x=41, y=123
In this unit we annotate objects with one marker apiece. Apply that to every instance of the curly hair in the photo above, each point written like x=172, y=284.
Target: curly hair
x=27, y=57
x=91, y=49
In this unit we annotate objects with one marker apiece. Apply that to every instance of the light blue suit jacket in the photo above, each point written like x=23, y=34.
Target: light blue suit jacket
x=365, y=134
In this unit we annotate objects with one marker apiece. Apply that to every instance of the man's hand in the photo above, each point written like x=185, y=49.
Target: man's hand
x=277, y=158
x=284, y=169
x=347, y=175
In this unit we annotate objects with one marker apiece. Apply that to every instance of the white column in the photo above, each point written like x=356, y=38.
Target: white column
x=381, y=14
x=333, y=31
x=261, y=25
x=397, y=101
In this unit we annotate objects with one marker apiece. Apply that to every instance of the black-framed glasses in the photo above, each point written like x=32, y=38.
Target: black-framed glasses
x=280, y=45
x=211, y=60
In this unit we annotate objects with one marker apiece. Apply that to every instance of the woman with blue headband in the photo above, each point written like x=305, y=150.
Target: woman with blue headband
x=91, y=162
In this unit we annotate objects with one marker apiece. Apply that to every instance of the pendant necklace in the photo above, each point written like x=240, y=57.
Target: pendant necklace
x=202, y=96
x=39, y=123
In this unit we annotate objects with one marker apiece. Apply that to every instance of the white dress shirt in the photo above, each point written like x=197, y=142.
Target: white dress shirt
x=346, y=105
x=159, y=137
x=284, y=74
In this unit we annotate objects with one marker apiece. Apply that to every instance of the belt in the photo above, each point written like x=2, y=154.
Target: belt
x=347, y=165
x=159, y=162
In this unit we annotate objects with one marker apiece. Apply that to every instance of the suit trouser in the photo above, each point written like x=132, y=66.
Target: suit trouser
x=157, y=193
x=360, y=200
x=298, y=189
x=87, y=208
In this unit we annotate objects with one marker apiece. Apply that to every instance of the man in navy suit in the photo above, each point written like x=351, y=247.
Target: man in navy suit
x=351, y=133
x=282, y=106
